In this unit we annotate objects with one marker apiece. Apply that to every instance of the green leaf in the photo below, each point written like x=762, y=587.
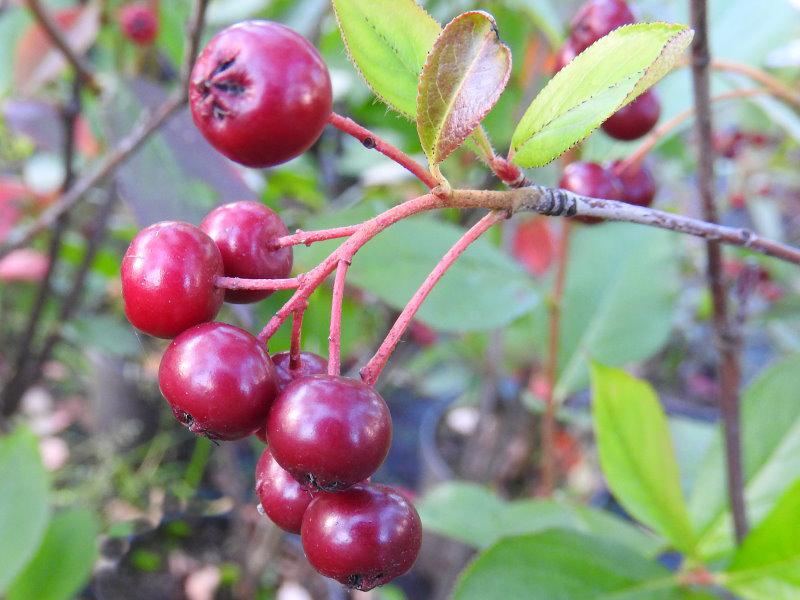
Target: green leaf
x=565, y=565
x=767, y=564
x=388, y=41
x=636, y=453
x=607, y=311
x=770, y=442
x=474, y=515
x=606, y=76
x=463, y=77
x=64, y=561
x=483, y=290
x=24, y=502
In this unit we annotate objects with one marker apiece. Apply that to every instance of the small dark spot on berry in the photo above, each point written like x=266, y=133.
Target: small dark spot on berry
x=369, y=143
x=354, y=581
x=218, y=112
x=222, y=67
x=229, y=87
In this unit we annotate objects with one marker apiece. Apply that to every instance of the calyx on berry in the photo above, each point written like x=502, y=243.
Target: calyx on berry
x=243, y=232
x=330, y=432
x=362, y=537
x=168, y=275
x=283, y=499
x=219, y=381
x=260, y=93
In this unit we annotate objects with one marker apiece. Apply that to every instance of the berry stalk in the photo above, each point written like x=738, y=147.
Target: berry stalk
x=240, y=283
x=372, y=370
x=335, y=337
x=309, y=237
x=297, y=334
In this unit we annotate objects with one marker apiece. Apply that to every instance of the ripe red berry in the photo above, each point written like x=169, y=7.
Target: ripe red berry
x=568, y=51
x=363, y=537
x=310, y=364
x=243, y=232
x=591, y=179
x=634, y=120
x=260, y=93
x=168, y=275
x=139, y=23
x=219, y=381
x=329, y=432
x=283, y=499
x=597, y=18
x=638, y=184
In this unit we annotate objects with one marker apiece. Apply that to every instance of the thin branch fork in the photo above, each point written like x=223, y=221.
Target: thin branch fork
x=82, y=68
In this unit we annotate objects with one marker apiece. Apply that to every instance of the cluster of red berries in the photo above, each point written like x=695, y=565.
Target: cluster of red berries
x=593, y=20
x=139, y=23
x=261, y=95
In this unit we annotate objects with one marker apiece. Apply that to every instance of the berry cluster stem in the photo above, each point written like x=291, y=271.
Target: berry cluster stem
x=297, y=332
x=309, y=237
x=335, y=337
x=240, y=283
x=372, y=370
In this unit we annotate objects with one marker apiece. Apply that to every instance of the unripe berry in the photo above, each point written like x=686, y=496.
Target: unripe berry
x=260, y=93
x=362, y=537
x=597, y=18
x=139, y=23
x=634, y=120
x=330, y=432
x=243, y=232
x=219, y=381
x=168, y=275
x=283, y=499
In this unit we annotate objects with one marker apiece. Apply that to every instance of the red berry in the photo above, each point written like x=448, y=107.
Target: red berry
x=638, y=184
x=219, y=381
x=597, y=18
x=282, y=498
x=168, y=275
x=591, y=179
x=139, y=23
x=634, y=120
x=565, y=55
x=243, y=232
x=363, y=537
x=329, y=432
x=260, y=93
x=310, y=364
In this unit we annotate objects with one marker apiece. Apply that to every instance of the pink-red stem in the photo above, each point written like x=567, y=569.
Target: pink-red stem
x=239, y=283
x=297, y=332
x=372, y=141
x=335, y=337
x=309, y=237
x=373, y=368
x=366, y=231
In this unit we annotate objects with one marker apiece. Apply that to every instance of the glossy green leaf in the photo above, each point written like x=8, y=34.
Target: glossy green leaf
x=388, y=42
x=463, y=77
x=63, y=562
x=767, y=564
x=24, y=502
x=614, y=308
x=474, y=515
x=637, y=455
x=771, y=445
x=566, y=565
x=602, y=79
x=484, y=289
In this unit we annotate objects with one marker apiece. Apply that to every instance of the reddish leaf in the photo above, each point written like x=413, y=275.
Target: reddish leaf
x=534, y=245
x=37, y=61
x=11, y=191
x=23, y=265
x=463, y=77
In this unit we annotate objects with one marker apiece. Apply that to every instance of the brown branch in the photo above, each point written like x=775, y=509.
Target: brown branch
x=51, y=28
x=775, y=86
x=728, y=338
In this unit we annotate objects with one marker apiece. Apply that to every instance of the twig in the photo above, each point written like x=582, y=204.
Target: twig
x=551, y=369
x=335, y=337
x=727, y=338
x=309, y=237
x=774, y=85
x=81, y=66
x=372, y=141
x=372, y=370
x=240, y=283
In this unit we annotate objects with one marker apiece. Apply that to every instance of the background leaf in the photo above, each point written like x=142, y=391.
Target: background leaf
x=463, y=77
x=565, y=565
x=602, y=79
x=767, y=564
x=388, y=42
x=474, y=515
x=24, y=498
x=770, y=444
x=637, y=455
x=483, y=290
x=63, y=562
